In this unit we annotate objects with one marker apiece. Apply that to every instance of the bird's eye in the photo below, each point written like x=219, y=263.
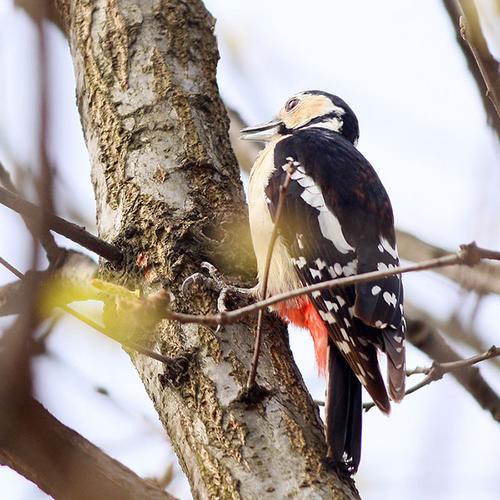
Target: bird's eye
x=291, y=104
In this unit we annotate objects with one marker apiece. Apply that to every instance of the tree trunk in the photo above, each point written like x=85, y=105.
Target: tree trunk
x=169, y=195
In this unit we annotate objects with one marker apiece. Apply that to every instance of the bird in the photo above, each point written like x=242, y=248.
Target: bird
x=336, y=220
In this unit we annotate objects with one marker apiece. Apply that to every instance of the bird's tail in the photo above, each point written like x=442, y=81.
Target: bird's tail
x=343, y=410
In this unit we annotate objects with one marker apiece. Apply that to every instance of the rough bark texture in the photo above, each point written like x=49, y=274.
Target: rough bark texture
x=169, y=195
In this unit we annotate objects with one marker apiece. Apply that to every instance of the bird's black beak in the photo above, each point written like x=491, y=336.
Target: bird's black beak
x=261, y=133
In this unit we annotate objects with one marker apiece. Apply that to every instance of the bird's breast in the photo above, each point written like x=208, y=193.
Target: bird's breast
x=282, y=276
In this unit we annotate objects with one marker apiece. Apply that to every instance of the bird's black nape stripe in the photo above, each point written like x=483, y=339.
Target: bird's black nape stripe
x=323, y=118
x=350, y=128
x=284, y=130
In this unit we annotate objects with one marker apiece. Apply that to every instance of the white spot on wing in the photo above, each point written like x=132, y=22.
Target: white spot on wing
x=305, y=181
x=329, y=305
x=328, y=223
x=388, y=248
x=390, y=298
x=320, y=263
x=330, y=227
x=376, y=290
x=327, y=316
x=300, y=262
x=351, y=268
x=344, y=334
x=315, y=273
x=343, y=346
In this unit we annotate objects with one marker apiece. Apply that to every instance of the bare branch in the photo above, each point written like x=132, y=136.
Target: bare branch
x=483, y=278
x=38, y=277
x=429, y=341
x=49, y=13
x=438, y=370
x=13, y=295
x=65, y=465
x=483, y=66
x=469, y=255
x=46, y=239
x=61, y=226
x=452, y=328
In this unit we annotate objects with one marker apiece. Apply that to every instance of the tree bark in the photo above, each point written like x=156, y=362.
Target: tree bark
x=169, y=195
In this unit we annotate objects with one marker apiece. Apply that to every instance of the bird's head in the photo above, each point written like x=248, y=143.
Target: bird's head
x=312, y=108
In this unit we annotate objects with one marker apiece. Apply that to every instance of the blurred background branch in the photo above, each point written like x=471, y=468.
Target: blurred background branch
x=66, y=465
x=481, y=62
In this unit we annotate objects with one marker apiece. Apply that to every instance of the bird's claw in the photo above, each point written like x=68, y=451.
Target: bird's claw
x=214, y=282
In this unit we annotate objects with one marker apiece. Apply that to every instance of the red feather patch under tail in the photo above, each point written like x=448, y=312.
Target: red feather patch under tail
x=304, y=315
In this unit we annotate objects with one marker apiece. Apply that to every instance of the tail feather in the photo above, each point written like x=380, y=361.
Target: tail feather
x=343, y=410
x=396, y=373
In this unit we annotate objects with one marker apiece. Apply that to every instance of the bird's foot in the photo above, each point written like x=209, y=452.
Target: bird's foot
x=214, y=281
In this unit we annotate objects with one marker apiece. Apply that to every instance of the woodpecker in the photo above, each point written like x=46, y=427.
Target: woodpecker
x=336, y=221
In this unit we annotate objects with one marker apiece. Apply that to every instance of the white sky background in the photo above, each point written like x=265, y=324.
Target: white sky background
x=423, y=128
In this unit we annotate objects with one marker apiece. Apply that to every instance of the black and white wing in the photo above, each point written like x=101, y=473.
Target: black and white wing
x=337, y=221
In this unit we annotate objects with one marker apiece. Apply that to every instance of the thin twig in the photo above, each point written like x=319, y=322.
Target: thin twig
x=436, y=371
x=11, y=268
x=469, y=255
x=483, y=279
x=47, y=241
x=427, y=339
x=290, y=168
x=492, y=352
x=61, y=226
x=426, y=329
x=96, y=326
